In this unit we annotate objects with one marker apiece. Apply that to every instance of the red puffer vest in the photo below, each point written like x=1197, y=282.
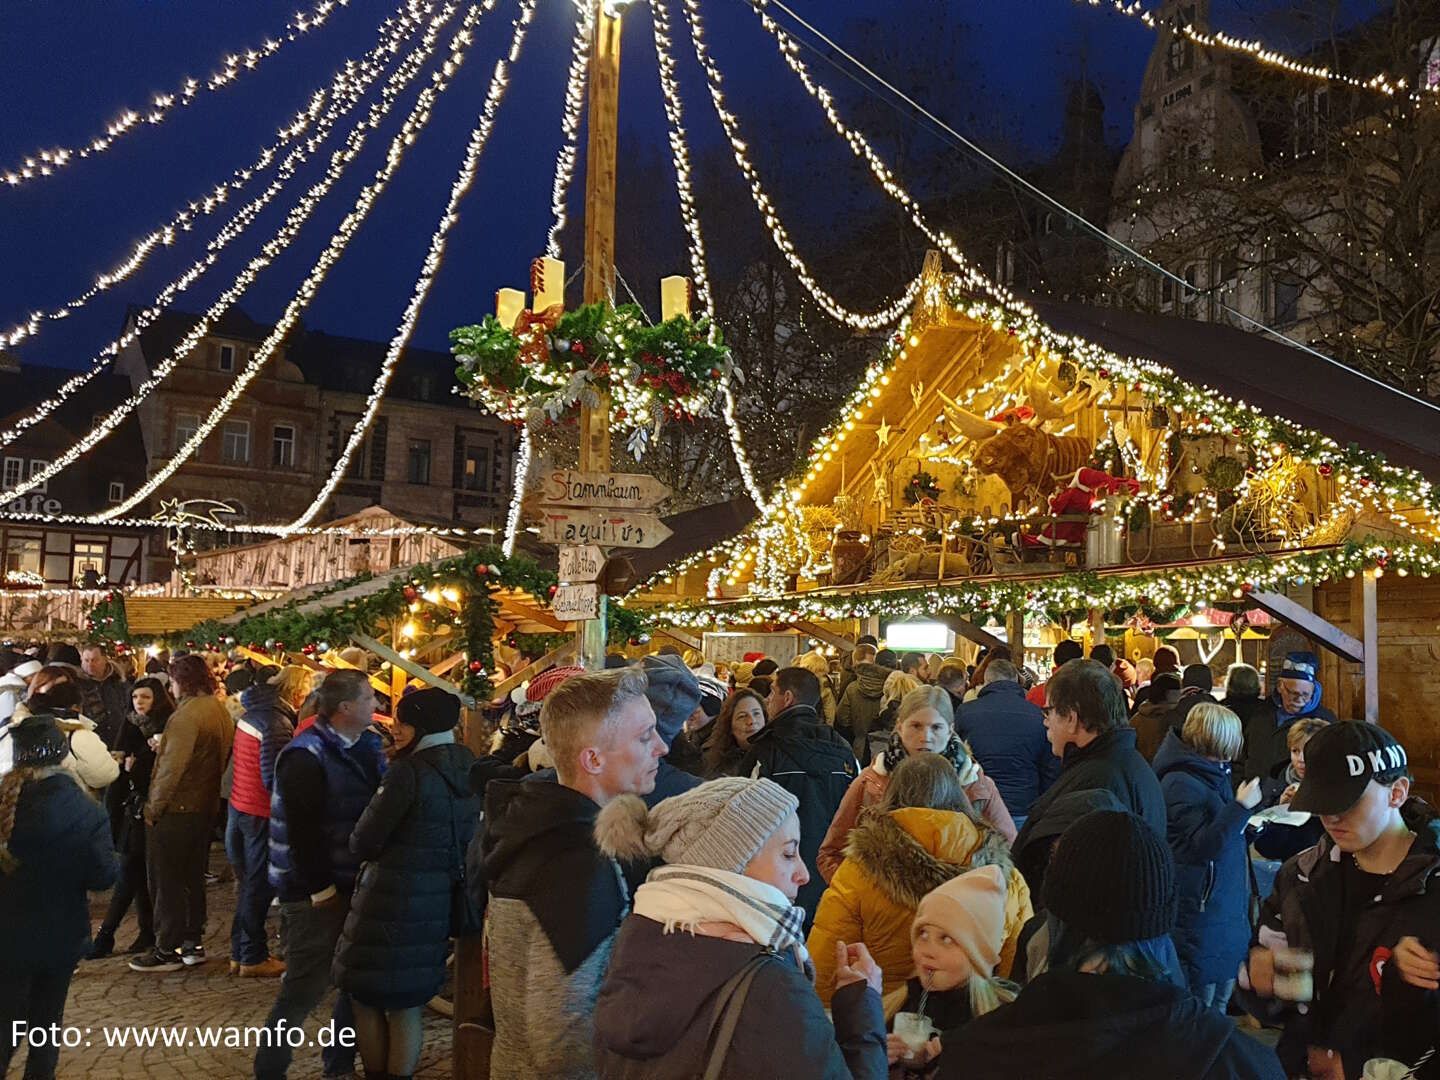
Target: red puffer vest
x=247, y=789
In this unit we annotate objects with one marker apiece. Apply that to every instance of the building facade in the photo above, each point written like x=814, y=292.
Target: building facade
x=430, y=454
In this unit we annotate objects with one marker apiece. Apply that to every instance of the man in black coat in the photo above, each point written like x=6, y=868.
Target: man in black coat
x=807, y=758
x=1297, y=694
x=1089, y=731
x=107, y=694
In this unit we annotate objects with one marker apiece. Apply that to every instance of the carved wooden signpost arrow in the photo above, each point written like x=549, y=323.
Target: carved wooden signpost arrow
x=576, y=603
x=607, y=528
x=627, y=491
x=579, y=564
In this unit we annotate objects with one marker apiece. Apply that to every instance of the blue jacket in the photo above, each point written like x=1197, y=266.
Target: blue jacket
x=62, y=847
x=321, y=789
x=1207, y=835
x=1007, y=736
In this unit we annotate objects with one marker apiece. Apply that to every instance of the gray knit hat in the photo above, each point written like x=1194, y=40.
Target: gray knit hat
x=721, y=824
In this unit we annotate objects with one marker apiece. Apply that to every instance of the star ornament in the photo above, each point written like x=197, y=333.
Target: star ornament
x=882, y=433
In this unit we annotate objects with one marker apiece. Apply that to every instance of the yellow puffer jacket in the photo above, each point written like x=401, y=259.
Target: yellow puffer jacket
x=891, y=861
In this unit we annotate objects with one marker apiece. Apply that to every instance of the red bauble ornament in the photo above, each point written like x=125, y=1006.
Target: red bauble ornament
x=1326, y=469
x=553, y=589
x=410, y=593
x=481, y=570
x=1104, y=373
x=1247, y=586
x=476, y=667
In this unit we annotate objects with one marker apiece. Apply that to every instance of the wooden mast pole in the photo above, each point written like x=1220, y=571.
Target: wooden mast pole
x=601, y=152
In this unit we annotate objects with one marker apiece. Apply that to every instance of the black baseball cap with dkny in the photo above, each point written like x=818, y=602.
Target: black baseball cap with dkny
x=1340, y=762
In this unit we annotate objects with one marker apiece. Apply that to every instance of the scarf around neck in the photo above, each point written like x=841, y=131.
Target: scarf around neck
x=683, y=897
x=954, y=752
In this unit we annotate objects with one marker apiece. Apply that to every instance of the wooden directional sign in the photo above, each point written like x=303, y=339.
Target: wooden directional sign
x=627, y=491
x=575, y=603
x=606, y=528
x=581, y=563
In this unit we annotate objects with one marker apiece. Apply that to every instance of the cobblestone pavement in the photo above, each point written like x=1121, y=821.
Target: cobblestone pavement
x=106, y=993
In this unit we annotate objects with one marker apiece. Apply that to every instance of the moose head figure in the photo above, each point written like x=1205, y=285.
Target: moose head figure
x=1015, y=447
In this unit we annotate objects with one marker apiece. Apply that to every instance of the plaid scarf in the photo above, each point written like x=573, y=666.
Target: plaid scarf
x=682, y=897
x=955, y=752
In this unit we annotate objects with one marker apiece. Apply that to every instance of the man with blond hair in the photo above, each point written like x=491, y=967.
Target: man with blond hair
x=555, y=902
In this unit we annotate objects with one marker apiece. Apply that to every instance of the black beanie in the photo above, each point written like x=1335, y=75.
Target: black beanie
x=1112, y=878
x=429, y=711
x=38, y=742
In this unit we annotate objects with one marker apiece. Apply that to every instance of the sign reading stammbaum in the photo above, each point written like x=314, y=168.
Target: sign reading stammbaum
x=623, y=491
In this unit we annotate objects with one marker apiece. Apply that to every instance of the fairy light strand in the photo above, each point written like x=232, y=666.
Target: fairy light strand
x=351, y=86
x=779, y=235
x=522, y=473
x=680, y=157
x=575, y=84
x=414, y=124
x=436, y=254
x=392, y=33
x=339, y=161
x=46, y=162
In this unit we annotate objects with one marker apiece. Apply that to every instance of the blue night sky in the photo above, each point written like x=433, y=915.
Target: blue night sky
x=70, y=67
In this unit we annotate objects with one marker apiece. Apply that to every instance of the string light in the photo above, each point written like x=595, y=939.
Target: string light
x=478, y=139
x=522, y=473
x=856, y=320
x=415, y=123
x=47, y=162
x=860, y=147
x=680, y=157
x=570, y=125
x=349, y=89
x=1257, y=50
x=339, y=161
x=249, y=528
x=392, y=32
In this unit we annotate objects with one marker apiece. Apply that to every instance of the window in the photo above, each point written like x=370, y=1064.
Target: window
x=88, y=555
x=1287, y=300
x=417, y=463
x=22, y=554
x=117, y=491
x=14, y=471
x=283, y=445
x=477, y=468
x=227, y=357
x=235, y=442
x=1167, y=292
x=186, y=424
x=39, y=465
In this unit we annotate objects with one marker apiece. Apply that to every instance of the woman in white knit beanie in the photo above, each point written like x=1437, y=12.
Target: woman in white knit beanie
x=709, y=976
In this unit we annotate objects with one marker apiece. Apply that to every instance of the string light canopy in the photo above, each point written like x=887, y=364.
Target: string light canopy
x=350, y=82
x=46, y=162
x=346, y=93
x=433, y=258
x=340, y=159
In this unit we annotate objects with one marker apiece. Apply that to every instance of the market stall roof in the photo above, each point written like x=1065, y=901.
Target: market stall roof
x=696, y=530
x=156, y=616
x=1279, y=378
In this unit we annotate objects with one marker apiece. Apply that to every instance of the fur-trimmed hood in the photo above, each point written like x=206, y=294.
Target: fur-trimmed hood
x=907, y=853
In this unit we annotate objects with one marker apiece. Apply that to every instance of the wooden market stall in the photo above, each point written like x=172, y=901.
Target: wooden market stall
x=1090, y=472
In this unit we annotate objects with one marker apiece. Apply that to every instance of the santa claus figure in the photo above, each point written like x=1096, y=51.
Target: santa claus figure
x=1087, y=491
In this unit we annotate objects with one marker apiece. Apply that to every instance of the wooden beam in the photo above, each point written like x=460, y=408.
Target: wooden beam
x=1015, y=634
x=400, y=667
x=969, y=631
x=444, y=666
x=549, y=660
x=533, y=614
x=690, y=641
x=1371, y=646
x=1306, y=621
x=819, y=633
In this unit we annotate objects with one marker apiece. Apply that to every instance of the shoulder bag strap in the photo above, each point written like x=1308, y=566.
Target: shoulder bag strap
x=730, y=1002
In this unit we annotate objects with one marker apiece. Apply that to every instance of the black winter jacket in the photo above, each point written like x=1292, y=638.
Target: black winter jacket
x=1362, y=1009
x=62, y=846
x=1111, y=763
x=1067, y=1025
x=412, y=837
x=1266, y=726
x=107, y=702
x=816, y=765
x=653, y=1016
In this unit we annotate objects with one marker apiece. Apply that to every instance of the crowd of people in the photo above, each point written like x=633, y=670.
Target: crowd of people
x=959, y=871
x=352, y=822
x=884, y=864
